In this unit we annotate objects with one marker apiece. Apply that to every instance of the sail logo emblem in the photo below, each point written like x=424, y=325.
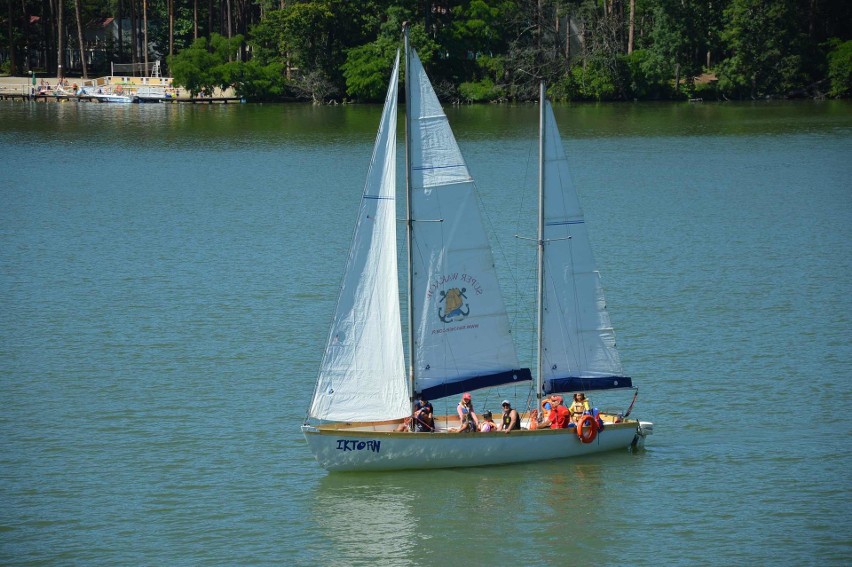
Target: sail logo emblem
x=453, y=289
x=454, y=308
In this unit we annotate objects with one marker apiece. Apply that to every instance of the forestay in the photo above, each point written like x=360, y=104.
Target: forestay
x=461, y=330
x=362, y=376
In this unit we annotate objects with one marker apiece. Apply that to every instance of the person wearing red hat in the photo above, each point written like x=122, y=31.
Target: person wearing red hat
x=467, y=417
x=559, y=416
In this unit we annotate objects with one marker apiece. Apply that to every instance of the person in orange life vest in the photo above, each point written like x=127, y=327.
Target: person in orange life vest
x=579, y=407
x=559, y=416
x=487, y=424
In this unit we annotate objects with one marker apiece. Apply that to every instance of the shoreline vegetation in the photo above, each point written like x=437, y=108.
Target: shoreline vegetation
x=478, y=51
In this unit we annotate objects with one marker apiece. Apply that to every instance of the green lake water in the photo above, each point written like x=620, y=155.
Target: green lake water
x=168, y=275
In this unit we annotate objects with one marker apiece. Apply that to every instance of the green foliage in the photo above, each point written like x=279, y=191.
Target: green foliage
x=840, y=68
x=473, y=49
x=367, y=69
x=483, y=90
x=594, y=80
x=762, y=38
x=205, y=65
x=255, y=81
x=296, y=34
x=191, y=68
x=649, y=75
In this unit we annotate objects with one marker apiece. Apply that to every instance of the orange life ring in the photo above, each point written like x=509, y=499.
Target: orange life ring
x=118, y=89
x=587, y=429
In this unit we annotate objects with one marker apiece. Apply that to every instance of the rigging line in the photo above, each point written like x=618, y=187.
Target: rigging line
x=512, y=264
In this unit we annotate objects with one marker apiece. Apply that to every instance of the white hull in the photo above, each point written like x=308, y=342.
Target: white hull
x=113, y=99
x=365, y=448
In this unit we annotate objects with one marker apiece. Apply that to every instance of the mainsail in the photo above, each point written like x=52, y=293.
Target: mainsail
x=362, y=376
x=578, y=342
x=461, y=329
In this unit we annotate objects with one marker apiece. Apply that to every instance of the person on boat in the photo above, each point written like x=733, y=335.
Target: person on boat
x=541, y=416
x=579, y=407
x=409, y=423
x=468, y=420
x=559, y=416
x=511, y=419
x=487, y=425
x=424, y=422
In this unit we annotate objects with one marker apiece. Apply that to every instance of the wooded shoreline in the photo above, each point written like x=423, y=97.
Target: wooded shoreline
x=477, y=50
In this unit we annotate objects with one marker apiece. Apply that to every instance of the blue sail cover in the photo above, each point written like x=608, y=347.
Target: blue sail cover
x=476, y=383
x=577, y=384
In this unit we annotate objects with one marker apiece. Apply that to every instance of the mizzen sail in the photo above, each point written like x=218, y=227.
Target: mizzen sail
x=578, y=341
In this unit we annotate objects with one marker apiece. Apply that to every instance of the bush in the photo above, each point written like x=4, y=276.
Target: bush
x=483, y=90
x=840, y=68
x=591, y=81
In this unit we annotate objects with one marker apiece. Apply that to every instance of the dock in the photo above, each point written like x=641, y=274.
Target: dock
x=140, y=89
x=44, y=97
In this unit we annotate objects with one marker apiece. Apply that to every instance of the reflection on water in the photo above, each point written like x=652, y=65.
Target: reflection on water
x=167, y=274
x=418, y=518
x=365, y=518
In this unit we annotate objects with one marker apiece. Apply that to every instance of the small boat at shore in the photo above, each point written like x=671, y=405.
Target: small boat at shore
x=100, y=95
x=458, y=329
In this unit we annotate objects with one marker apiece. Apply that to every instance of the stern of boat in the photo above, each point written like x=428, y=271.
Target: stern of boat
x=644, y=429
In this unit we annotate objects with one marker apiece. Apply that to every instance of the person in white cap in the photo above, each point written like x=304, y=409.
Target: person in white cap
x=511, y=419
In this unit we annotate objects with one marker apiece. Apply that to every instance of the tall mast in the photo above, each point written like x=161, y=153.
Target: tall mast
x=408, y=215
x=539, y=380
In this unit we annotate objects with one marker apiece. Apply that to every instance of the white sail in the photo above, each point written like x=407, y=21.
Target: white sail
x=362, y=376
x=460, y=326
x=461, y=330
x=577, y=338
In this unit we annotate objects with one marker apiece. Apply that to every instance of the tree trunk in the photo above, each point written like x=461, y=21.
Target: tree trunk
x=632, y=27
x=677, y=79
x=13, y=68
x=80, y=38
x=60, y=45
x=228, y=3
x=145, y=35
x=134, y=33
x=171, y=27
x=120, y=30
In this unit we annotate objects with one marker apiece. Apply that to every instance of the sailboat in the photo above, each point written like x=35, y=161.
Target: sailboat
x=458, y=329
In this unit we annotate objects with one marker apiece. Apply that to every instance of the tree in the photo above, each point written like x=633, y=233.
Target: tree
x=764, y=45
x=204, y=66
x=675, y=43
x=367, y=67
x=840, y=68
